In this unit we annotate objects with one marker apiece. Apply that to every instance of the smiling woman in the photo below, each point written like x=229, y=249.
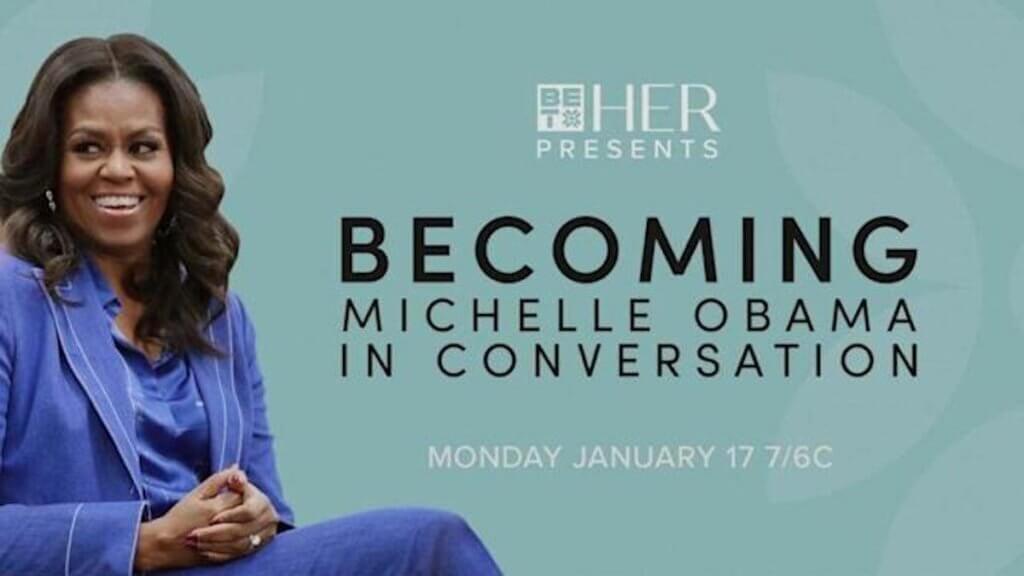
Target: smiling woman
x=133, y=427
x=116, y=170
x=116, y=174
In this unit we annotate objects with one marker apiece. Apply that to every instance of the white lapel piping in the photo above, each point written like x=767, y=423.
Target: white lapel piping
x=71, y=536
x=234, y=395
x=127, y=438
x=223, y=404
x=132, y=383
x=231, y=390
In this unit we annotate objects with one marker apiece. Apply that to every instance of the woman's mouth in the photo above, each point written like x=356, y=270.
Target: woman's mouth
x=120, y=204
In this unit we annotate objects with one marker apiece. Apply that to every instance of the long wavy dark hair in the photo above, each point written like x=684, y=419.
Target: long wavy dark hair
x=196, y=246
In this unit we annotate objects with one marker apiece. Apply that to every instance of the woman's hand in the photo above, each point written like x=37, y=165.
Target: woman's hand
x=163, y=542
x=240, y=530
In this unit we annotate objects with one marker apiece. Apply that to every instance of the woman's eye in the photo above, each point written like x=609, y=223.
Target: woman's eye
x=86, y=148
x=144, y=148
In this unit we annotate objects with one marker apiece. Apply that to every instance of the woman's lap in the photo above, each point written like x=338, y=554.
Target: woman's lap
x=391, y=541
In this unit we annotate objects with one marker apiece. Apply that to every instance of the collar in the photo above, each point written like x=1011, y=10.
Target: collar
x=112, y=306
x=84, y=336
x=104, y=293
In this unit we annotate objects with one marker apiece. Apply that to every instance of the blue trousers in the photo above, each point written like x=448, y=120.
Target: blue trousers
x=401, y=541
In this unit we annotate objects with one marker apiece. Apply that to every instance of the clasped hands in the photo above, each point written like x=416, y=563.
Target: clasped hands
x=224, y=518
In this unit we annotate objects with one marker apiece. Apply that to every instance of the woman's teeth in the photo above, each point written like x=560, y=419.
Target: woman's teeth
x=117, y=202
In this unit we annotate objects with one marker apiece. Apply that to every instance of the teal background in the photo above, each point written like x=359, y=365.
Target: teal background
x=841, y=109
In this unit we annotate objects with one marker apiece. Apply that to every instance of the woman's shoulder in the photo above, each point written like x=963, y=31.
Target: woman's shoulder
x=20, y=292
x=15, y=271
x=240, y=324
x=237, y=312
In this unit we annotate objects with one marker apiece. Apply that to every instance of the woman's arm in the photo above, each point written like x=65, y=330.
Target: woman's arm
x=262, y=511
x=261, y=465
x=85, y=538
x=79, y=538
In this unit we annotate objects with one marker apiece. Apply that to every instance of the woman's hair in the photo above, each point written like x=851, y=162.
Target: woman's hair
x=195, y=246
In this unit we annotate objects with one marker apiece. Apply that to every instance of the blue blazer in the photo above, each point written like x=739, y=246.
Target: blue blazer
x=70, y=485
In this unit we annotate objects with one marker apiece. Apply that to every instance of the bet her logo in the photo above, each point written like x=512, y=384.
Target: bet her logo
x=658, y=107
x=560, y=108
x=641, y=121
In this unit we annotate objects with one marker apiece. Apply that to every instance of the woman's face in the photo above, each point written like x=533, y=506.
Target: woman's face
x=116, y=170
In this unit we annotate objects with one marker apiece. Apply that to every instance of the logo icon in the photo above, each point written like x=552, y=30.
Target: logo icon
x=560, y=108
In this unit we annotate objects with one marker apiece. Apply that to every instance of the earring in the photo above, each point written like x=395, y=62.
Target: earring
x=49, y=200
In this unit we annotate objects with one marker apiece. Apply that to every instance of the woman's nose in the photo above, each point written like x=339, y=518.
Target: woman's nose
x=117, y=167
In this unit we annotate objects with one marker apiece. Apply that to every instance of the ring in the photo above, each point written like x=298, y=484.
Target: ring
x=254, y=541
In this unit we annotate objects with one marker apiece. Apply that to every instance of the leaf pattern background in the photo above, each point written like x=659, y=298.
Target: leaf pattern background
x=963, y=515
x=854, y=159
x=964, y=59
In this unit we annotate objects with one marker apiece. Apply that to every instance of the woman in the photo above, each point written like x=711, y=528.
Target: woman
x=133, y=429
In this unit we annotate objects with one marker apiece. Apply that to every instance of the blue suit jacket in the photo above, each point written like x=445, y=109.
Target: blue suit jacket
x=70, y=485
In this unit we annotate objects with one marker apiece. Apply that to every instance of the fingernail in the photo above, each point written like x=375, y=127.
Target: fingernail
x=192, y=541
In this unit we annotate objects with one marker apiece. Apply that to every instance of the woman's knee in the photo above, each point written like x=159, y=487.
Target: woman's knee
x=423, y=540
x=439, y=521
x=450, y=546
x=412, y=519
